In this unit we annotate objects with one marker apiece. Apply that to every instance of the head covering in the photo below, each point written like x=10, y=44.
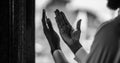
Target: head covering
x=113, y=4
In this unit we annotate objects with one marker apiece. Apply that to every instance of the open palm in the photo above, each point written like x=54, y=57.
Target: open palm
x=51, y=35
x=68, y=34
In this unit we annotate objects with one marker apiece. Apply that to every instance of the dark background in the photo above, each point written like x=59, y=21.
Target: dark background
x=17, y=31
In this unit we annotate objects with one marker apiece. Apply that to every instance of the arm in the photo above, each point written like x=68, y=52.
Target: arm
x=69, y=35
x=59, y=57
x=53, y=39
x=81, y=55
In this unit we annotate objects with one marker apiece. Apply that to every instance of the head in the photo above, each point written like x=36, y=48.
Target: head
x=113, y=4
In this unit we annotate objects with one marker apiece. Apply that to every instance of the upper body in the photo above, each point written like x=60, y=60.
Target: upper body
x=106, y=45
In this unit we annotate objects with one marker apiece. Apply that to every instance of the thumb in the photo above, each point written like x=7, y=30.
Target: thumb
x=78, y=25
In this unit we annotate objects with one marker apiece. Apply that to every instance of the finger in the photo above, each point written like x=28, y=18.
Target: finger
x=66, y=21
x=44, y=19
x=57, y=11
x=78, y=25
x=58, y=18
x=64, y=18
x=49, y=24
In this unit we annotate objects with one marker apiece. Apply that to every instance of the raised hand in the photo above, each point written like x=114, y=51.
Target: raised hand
x=69, y=35
x=51, y=35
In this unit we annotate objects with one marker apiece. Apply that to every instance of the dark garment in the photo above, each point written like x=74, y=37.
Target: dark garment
x=106, y=45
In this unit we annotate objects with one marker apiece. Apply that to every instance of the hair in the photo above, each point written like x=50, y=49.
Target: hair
x=113, y=4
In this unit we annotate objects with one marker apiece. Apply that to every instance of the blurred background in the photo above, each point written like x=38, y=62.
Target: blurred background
x=92, y=12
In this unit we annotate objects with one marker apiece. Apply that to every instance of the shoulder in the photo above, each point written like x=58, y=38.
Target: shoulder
x=111, y=24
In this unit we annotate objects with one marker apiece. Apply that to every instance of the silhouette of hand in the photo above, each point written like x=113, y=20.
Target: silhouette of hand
x=69, y=35
x=51, y=35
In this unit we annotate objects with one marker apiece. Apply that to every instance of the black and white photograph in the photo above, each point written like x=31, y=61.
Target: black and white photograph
x=60, y=31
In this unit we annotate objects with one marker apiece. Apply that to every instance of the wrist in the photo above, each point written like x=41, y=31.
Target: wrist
x=55, y=46
x=59, y=57
x=75, y=46
x=52, y=51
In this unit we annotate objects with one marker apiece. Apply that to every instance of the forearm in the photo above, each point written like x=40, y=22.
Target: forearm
x=59, y=57
x=81, y=55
